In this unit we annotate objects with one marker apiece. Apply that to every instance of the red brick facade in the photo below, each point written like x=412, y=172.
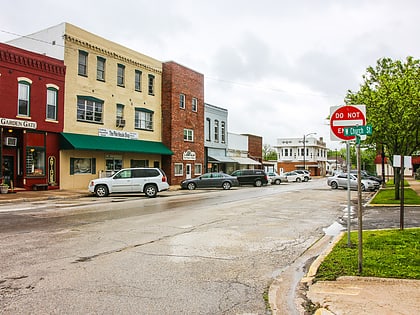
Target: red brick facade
x=29, y=147
x=176, y=80
x=255, y=144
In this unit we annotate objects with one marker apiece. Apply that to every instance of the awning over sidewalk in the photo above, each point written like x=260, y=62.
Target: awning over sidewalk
x=245, y=161
x=73, y=141
x=222, y=159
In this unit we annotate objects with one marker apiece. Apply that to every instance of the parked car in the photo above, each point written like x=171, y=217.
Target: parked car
x=368, y=176
x=375, y=183
x=276, y=179
x=131, y=180
x=305, y=173
x=210, y=180
x=340, y=180
x=251, y=177
x=294, y=177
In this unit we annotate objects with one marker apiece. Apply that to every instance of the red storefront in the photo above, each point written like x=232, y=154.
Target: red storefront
x=31, y=118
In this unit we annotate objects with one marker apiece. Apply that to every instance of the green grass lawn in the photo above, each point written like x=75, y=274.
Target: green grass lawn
x=386, y=253
x=386, y=196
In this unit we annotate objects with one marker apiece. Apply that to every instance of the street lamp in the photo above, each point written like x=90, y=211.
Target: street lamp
x=304, y=148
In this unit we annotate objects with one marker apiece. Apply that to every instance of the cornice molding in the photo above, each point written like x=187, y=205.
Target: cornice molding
x=31, y=62
x=109, y=53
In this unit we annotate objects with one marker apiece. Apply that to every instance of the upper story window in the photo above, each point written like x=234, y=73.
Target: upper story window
x=24, y=91
x=143, y=119
x=120, y=121
x=223, y=131
x=208, y=127
x=151, y=84
x=100, y=69
x=194, y=104
x=120, y=111
x=83, y=63
x=216, y=131
x=52, y=100
x=182, y=101
x=89, y=109
x=188, y=135
x=137, y=80
x=120, y=75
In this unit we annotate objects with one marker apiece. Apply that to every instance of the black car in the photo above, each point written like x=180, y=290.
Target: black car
x=251, y=177
x=210, y=180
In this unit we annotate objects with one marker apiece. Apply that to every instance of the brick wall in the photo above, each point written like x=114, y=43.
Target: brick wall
x=177, y=79
x=255, y=144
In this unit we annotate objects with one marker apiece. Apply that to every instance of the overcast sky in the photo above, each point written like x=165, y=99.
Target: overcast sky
x=277, y=66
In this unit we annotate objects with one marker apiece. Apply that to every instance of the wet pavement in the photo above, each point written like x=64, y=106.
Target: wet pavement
x=349, y=295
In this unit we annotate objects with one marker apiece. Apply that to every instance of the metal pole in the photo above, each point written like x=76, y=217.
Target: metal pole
x=402, y=194
x=383, y=165
x=359, y=207
x=304, y=153
x=348, y=194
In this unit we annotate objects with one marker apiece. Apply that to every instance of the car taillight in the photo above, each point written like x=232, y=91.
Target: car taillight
x=163, y=179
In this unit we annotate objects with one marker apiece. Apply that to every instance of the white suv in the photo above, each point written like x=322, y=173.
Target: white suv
x=131, y=180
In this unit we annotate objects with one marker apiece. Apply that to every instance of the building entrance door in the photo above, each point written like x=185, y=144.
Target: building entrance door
x=8, y=169
x=188, y=171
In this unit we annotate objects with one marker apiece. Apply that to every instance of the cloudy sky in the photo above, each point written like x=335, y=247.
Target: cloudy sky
x=276, y=65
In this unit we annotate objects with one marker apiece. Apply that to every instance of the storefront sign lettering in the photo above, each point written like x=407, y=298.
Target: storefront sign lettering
x=18, y=123
x=51, y=170
x=189, y=155
x=102, y=132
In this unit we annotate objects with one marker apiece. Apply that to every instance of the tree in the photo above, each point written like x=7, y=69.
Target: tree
x=269, y=153
x=391, y=93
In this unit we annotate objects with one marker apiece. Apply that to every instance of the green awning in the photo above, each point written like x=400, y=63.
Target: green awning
x=73, y=141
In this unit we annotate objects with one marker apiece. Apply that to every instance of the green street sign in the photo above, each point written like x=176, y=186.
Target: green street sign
x=358, y=130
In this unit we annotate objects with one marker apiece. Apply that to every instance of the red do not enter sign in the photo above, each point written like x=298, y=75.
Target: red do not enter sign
x=346, y=116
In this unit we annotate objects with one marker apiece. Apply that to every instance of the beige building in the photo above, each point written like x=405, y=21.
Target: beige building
x=112, y=104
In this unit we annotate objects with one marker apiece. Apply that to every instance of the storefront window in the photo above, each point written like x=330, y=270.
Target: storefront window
x=113, y=164
x=82, y=166
x=35, y=161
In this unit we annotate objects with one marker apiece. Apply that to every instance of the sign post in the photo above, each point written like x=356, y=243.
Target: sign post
x=342, y=117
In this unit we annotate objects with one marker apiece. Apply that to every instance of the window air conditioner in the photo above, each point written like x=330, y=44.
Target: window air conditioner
x=10, y=141
x=120, y=122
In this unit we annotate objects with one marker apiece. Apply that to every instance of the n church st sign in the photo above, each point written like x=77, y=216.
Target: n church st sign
x=6, y=122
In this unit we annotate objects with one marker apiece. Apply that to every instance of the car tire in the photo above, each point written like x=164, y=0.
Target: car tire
x=277, y=181
x=226, y=185
x=363, y=187
x=258, y=183
x=150, y=191
x=101, y=191
x=298, y=179
x=334, y=185
x=191, y=186
x=306, y=179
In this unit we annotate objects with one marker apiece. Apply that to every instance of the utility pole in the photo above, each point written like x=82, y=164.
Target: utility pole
x=304, y=148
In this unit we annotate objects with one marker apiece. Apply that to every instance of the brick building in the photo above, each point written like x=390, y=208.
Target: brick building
x=31, y=117
x=182, y=122
x=255, y=144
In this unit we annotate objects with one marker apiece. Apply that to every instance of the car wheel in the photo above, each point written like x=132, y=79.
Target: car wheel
x=258, y=183
x=191, y=186
x=150, y=191
x=277, y=181
x=306, y=179
x=298, y=179
x=101, y=191
x=226, y=185
x=363, y=187
x=334, y=185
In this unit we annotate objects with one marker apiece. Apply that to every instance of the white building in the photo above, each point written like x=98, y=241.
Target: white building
x=302, y=153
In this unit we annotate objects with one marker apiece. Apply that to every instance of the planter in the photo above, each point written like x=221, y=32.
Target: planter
x=4, y=189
